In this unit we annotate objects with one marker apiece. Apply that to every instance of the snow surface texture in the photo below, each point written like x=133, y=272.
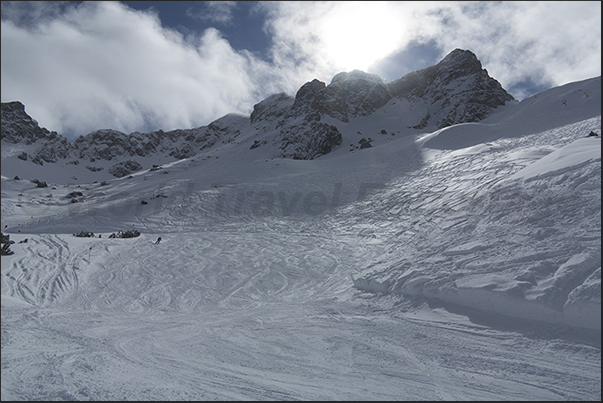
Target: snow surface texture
x=462, y=263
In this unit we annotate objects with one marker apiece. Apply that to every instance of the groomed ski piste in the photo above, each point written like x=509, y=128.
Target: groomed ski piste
x=457, y=264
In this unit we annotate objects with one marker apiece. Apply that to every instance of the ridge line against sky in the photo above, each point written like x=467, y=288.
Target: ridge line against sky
x=149, y=65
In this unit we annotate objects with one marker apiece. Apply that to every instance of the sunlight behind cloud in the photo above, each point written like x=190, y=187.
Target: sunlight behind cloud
x=358, y=34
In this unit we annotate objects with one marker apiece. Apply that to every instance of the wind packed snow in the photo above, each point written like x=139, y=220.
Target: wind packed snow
x=457, y=264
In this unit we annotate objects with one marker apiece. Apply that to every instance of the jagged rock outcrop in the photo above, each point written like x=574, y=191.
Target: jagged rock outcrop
x=354, y=94
x=456, y=90
x=308, y=101
x=308, y=141
x=349, y=95
x=271, y=108
x=302, y=135
x=18, y=127
x=107, y=144
x=54, y=148
x=124, y=168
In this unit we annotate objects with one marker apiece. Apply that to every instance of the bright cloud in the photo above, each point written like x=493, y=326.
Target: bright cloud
x=547, y=43
x=102, y=65
x=82, y=67
x=336, y=36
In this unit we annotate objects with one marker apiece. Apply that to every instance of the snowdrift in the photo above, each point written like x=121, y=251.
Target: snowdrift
x=521, y=241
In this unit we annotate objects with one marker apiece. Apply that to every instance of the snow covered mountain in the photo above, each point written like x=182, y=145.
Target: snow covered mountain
x=428, y=238
x=456, y=90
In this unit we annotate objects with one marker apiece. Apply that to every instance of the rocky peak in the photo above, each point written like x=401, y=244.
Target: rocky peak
x=103, y=144
x=459, y=62
x=349, y=94
x=272, y=107
x=14, y=108
x=18, y=127
x=456, y=90
x=309, y=91
x=308, y=101
x=354, y=94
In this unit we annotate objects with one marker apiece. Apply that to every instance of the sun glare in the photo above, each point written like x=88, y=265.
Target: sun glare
x=361, y=33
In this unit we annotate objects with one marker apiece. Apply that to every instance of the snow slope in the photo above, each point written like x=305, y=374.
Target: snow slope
x=457, y=264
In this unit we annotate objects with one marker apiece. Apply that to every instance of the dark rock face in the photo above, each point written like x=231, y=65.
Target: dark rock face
x=309, y=96
x=309, y=141
x=456, y=90
x=57, y=147
x=354, y=94
x=103, y=144
x=302, y=135
x=122, y=169
x=349, y=95
x=107, y=144
x=18, y=127
x=271, y=108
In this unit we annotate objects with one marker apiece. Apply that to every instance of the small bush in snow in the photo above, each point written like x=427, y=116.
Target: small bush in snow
x=84, y=234
x=125, y=234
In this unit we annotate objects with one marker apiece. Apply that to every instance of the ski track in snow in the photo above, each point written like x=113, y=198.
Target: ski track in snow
x=52, y=275
x=263, y=308
x=194, y=322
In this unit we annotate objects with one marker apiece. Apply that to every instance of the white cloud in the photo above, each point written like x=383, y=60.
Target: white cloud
x=82, y=67
x=548, y=43
x=102, y=65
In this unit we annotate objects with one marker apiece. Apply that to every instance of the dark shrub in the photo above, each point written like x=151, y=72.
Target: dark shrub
x=125, y=234
x=84, y=234
x=5, y=242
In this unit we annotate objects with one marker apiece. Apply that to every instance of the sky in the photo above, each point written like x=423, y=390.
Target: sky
x=143, y=66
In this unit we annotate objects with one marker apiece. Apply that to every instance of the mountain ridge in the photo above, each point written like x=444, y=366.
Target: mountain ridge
x=456, y=90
